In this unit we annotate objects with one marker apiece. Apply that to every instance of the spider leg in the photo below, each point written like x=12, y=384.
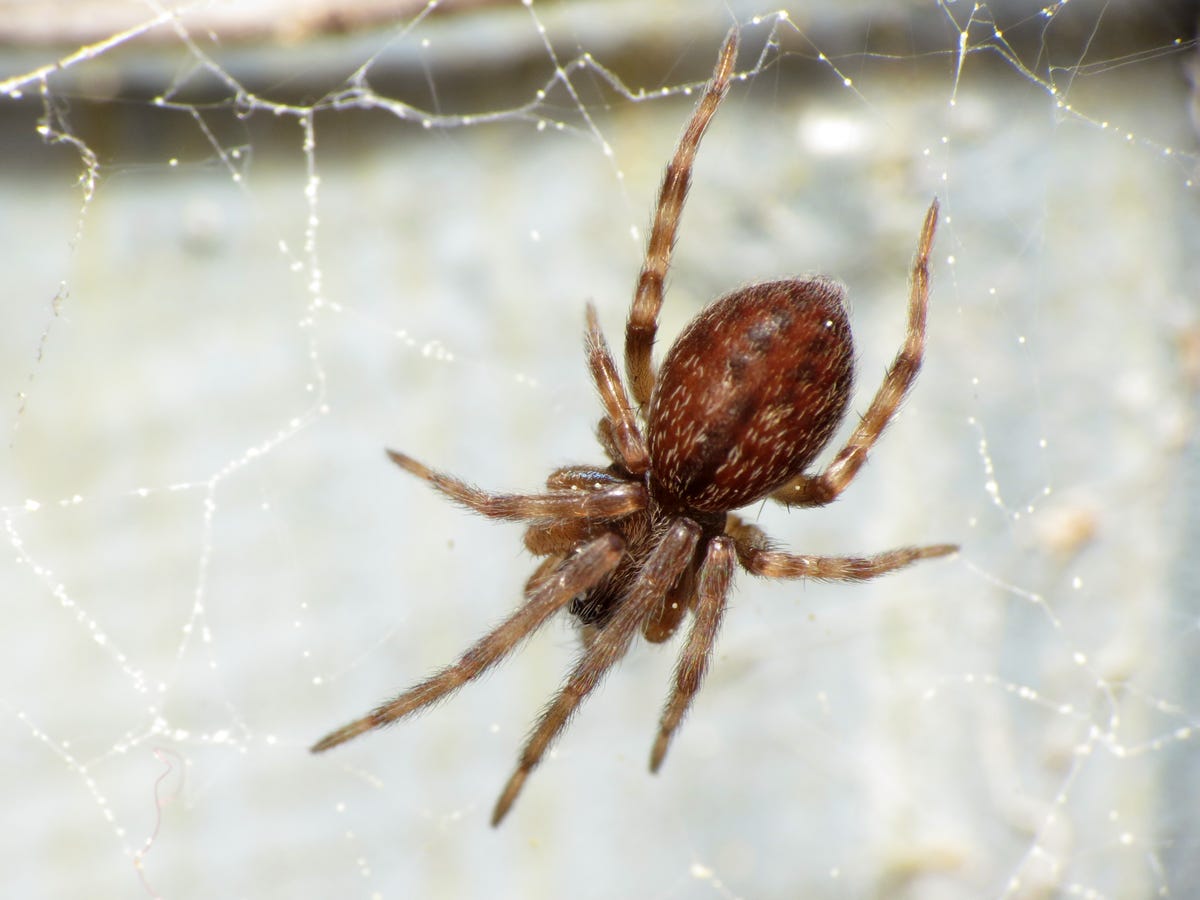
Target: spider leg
x=647, y=301
x=545, y=596
x=664, y=620
x=662, y=567
x=582, y=478
x=626, y=436
x=611, y=502
x=545, y=538
x=818, y=490
x=715, y=575
x=756, y=556
x=558, y=536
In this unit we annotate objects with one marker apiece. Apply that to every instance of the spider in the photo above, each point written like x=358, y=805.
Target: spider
x=749, y=394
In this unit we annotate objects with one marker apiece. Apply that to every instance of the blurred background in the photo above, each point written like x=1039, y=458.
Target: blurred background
x=247, y=246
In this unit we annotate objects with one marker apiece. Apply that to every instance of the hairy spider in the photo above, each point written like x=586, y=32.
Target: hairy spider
x=743, y=402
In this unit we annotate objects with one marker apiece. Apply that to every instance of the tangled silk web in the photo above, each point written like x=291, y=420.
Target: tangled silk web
x=244, y=255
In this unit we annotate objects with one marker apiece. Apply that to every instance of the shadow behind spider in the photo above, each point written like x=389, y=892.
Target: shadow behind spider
x=745, y=399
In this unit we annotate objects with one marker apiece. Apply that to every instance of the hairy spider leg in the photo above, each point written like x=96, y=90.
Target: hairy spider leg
x=642, y=326
x=574, y=576
x=756, y=557
x=622, y=422
x=615, y=501
x=662, y=568
x=818, y=490
x=715, y=576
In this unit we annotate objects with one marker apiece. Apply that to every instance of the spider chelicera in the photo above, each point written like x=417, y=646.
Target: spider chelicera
x=743, y=402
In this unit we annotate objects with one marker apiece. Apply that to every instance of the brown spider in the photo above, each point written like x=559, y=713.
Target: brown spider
x=748, y=395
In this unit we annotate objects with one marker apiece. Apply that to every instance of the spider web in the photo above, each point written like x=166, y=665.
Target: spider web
x=247, y=249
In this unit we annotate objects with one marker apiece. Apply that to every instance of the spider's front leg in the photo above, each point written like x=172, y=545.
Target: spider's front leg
x=818, y=490
x=661, y=569
x=550, y=593
x=716, y=572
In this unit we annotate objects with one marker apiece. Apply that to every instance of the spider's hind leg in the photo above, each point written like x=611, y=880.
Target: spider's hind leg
x=826, y=486
x=642, y=326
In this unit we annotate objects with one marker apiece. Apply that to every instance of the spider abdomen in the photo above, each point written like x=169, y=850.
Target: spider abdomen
x=750, y=392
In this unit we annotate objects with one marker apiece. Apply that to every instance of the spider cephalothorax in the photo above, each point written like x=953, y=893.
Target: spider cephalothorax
x=745, y=399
